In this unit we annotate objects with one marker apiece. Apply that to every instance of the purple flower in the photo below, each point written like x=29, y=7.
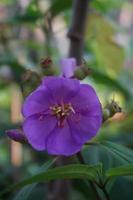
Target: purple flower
x=61, y=115
x=16, y=135
x=68, y=66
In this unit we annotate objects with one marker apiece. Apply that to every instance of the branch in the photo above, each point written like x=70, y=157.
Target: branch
x=77, y=29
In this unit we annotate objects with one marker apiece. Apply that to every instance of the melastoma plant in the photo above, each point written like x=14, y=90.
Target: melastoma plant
x=60, y=116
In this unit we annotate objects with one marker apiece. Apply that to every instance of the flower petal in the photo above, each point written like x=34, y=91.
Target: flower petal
x=61, y=142
x=83, y=127
x=37, y=128
x=68, y=65
x=62, y=88
x=36, y=102
x=86, y=101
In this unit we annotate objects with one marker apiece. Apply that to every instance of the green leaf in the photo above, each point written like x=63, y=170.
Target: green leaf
x=74, y=171
x=122, y=189
x=119, y=151
x=120, y=171
x=94, y=154
x=105, y=6
x=105, y=79
x=109, y=55
x=26, y=191
x=59, y=6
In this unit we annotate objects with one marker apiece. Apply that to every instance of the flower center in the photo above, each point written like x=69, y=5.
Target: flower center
x=62, y=112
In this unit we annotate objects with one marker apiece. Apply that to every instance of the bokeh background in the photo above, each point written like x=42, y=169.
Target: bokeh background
x=34, y=29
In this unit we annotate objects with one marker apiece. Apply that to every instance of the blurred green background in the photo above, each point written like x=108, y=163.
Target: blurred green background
x=33, y=29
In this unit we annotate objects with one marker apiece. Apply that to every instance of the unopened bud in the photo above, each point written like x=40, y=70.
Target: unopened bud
x=111, y=109
x=49, y=71
x=82, y=72
x=30, y=81
x=46, y=62
x=30, y=76
x=16, y=135
x=47, y=67
x=106, y=114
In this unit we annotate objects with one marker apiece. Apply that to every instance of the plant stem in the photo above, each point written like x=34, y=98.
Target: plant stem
x=102, y=186
x=79, y=155
x=105, y=193
x=77, y=29
x=92, y=184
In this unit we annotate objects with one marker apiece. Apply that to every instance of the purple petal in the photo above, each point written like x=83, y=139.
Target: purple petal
x=62, y=88
x=68, y=65
x=86, y=101
x=84, y=128
x=36, y=102
x=16, y=135
x=37, y=128
x=61, y=142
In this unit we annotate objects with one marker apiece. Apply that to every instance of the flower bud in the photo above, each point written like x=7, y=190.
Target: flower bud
x=47, y=67
x=46, y=63
x=30, y=80
x=16, y=135
x=106, y=114
x=82, y=72
x=111, y=109
x=49, y=71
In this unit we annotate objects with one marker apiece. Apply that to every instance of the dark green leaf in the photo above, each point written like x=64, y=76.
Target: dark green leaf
x=94, y=154
x=120, y=151
x=74, y=171
x=26, y=191
x=59, y=6
x=122, y=189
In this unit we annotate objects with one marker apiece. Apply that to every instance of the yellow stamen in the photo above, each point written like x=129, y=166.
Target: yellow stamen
x=62, y=112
